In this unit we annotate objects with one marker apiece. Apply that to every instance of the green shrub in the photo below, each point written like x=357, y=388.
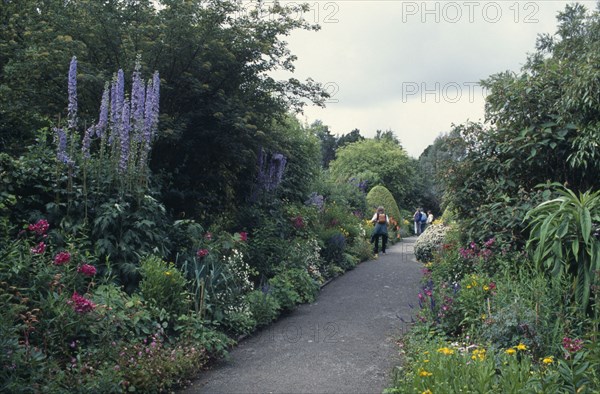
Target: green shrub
x=292, y=287
x=164, y=286
x=263, y=306
x=381, y=196
x=430, y=242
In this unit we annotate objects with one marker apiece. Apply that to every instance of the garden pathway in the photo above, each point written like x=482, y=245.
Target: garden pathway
x=342, y=343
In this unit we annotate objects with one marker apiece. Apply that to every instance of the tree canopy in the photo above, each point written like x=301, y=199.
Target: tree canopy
x=379, y=162
x=542, y=126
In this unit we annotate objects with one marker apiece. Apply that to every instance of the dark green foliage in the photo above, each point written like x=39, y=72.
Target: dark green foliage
x=542, y=127
x=263, y=306
x=564, y=241
x=293, y=286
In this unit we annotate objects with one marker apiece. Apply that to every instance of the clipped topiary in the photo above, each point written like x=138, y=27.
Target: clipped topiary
x=381, y=196
x=430, y=241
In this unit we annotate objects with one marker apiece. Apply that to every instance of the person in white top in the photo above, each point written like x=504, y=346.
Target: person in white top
x=381, y=221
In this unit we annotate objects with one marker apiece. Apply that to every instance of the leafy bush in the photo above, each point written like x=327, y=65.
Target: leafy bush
x=564, y=240
x=293, y=286
x=263, y=306
x=430, y=242
x=164, y=286
x=381, y=196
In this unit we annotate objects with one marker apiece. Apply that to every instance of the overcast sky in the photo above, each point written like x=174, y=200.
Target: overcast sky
x=413, y=66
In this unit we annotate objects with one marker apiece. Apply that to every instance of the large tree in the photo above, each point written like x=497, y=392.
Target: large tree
x=379, y=162
x=543, y=125
x=219, y=102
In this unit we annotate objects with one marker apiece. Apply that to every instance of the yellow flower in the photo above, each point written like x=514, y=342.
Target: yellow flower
x=468, y=286
x=483, y=317
x=425, y=361
x=427, y=392
x=510, y=351
x=446, y=351
x=423, y=373
x=486, y=288
x=548, y=360
x=478, y=354
x=521, y=346
x=168, y=273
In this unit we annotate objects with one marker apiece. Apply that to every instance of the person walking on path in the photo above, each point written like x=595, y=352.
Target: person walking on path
x=381, y=221
x=417, y=220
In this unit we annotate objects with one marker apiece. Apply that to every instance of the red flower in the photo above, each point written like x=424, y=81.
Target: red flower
x=81, y=304
x=62, y=258
x=39, y=249
x=40, y=227
x=298, y=222
x=87, y=270
x=202, y=253
x=244, y=236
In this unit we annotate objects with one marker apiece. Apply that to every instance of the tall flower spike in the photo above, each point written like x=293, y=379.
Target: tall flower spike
x=87, y=141
x=61, y=145
x=138, y=97
x=103, y=117
x=72, y=86
x=125, y=128
x=117, y=97
x=155, y=102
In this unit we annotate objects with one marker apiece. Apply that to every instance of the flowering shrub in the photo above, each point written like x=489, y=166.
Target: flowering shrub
x=164, y=286
x=439, y=367
x=430, y=242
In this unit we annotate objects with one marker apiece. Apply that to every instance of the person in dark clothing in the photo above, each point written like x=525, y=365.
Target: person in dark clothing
x=381, y=221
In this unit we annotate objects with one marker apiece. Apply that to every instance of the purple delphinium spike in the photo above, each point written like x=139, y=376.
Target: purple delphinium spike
x=155, y=102
x=103, y=117
x=138, y=97
x=276, y=168
x=72, y=87
x=87, y=141
x=124, y=134
x=117, y=97
x=61, y=145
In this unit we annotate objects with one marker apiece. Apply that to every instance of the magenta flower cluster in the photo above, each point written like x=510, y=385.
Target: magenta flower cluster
x=81, y=304
x=473, y=251
x=571, y=346
x=40, y=227
x=201, y=253
x=39, y=248
x=62, y=258
x=87, y=270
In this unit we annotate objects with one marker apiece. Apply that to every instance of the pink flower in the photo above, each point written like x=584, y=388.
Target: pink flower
x=298, y=222
x=39, y=249
x=81, y=304
x=571, y=346
x=489, y=242
x=202, y=253
x=40, y=227
x=87, y=270
x=244, y=236
x=208, y=236
x=62, y=258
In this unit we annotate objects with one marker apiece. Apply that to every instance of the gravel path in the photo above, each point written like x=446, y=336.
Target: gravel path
x=342, y=343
